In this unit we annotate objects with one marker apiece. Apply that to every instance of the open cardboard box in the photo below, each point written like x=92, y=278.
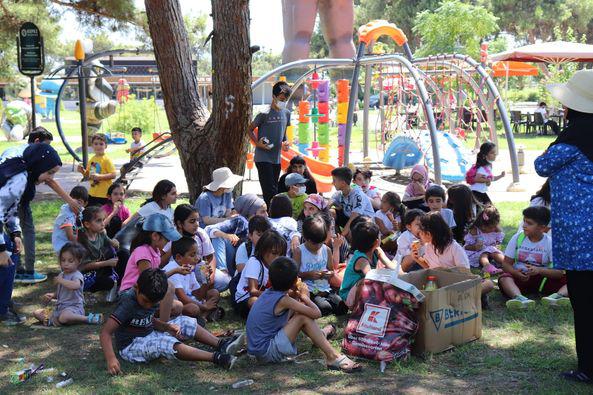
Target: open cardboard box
x=450, y=315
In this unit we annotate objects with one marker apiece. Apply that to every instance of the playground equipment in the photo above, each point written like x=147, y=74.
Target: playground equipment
x=435, y=103
x=16, y=120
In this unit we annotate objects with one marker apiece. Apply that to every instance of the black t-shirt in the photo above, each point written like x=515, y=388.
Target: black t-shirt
x=134, y=320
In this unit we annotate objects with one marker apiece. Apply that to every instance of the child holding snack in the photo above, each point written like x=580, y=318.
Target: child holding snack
x=70, y=299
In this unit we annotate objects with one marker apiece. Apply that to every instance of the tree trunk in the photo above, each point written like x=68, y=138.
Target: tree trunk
x=205, y=143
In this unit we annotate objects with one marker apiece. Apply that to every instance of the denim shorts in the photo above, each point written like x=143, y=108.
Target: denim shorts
x=279, y=348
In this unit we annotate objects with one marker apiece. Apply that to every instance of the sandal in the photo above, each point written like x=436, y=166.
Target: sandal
x=491, y=269
x=330, y=331
x=95, y=318
x=576, y=375
x=344, y=364
x=216, y=315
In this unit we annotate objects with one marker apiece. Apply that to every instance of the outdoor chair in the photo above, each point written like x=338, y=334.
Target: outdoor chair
x=517, y=122
x=537, y=125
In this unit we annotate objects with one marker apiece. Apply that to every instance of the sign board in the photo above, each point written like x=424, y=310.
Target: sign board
x=31, y=57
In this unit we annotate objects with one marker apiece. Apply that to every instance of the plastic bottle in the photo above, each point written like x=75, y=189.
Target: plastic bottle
x=243, y=383
x=431, y=283
x=64, y=383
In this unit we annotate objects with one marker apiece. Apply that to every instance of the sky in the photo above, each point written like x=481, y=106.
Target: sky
x=266, y=22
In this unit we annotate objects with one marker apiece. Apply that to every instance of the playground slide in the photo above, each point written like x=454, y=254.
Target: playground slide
x=455, y=158
x=321, y=171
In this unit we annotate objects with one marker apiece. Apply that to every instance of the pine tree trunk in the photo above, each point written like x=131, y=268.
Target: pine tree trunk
x=205, y=142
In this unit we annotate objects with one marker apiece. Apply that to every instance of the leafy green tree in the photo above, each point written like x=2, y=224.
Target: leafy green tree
x=263, y=61
x=454, y=27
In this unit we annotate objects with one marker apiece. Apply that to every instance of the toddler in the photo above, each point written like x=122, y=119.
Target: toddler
x=483, y=239
x=70, y=299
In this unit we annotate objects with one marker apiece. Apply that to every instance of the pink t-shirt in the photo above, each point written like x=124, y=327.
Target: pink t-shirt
x=453, y=256
x=123, y=213
x=144, y=252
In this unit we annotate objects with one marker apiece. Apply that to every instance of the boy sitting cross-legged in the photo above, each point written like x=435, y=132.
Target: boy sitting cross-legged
x=140, y=337
x=280, y=314
x=198, y=300
x=528, y=264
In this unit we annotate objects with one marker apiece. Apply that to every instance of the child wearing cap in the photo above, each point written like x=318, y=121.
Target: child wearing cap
x=298, y=165
x=216, y=201
x=297, y=192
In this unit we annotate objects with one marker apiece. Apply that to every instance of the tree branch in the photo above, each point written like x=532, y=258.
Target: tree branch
x=91, y=8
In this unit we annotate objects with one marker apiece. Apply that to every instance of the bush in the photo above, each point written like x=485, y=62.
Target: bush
x=523, y=95
x=134, y=113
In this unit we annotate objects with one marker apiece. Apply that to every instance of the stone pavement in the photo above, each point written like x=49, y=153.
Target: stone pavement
x=170, y=168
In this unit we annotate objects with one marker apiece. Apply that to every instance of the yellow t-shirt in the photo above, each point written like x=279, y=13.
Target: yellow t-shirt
x=100, y=165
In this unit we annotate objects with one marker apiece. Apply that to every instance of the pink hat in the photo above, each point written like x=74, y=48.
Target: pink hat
x=317, y=201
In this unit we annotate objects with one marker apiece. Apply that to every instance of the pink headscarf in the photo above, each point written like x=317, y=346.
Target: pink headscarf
x=317, y=201
x=423, y=171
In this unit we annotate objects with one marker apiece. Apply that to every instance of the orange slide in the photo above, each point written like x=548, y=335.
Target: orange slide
x=320, y=171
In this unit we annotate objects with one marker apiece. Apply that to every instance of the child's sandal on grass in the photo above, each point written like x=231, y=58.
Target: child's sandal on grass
x=95, y=319
x=344, y=364
x=491, y=269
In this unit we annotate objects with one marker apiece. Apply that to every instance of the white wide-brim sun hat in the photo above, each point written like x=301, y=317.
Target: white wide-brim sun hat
x=223, y=178
x=576, y=93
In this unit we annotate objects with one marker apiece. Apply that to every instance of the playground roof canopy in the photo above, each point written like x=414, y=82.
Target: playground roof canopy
x=511, y=68
x=551, y=52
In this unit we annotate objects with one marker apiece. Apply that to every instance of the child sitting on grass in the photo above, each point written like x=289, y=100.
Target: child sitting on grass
x=314, y=260
x=254, y=277
x=483, y=239
x=415, y=190
x=70, y=299
x=115, y=210
x=389, y=219
x=348, y=202
x=199, y=301
x=528, y=264
x=296, y=192
x=65, y=226
x=407, y=239
x=100, y=171
x=280, y=314
x=141, y=337
x=441, y=250
x=436, y=202
x=362, y=178
x=282, y=221
x=257, y=226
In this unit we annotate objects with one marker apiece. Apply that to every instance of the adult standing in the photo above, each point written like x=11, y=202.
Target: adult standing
x=270, y=139
x=568, y=164
x=18, y=179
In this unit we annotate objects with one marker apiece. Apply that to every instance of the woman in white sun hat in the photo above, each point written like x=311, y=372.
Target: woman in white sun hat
x=568, y=162
x=216, y=201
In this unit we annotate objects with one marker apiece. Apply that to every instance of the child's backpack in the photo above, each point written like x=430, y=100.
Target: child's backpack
x=470, y=175
x=383, y=322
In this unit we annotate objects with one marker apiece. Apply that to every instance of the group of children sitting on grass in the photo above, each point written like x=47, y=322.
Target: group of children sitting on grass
x=285, y=265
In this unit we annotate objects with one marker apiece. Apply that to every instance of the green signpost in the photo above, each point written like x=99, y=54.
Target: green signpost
x=31, y=57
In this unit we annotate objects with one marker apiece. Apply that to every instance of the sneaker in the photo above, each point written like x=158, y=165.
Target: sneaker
x=556, y=300
x=11, y=319
x=29, y=278
x=112, y=295
x=519, y=302
x=224, y=360
x=232, y=345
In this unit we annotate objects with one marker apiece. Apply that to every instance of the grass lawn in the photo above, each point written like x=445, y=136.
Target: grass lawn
x=520, y=352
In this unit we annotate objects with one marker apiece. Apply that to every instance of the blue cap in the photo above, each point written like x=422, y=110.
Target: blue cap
x=162, y=224
x=293, y=179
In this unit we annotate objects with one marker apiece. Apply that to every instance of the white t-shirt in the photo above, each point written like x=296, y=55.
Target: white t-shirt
x=480, y=186
x=404, y=245
x=205, y=247
x=241, y=257
x=449, y=217
x=251, y=270
x=532, y=253
x=186, y=282
x=542, y=110
x=153, y=208
x=287, y=227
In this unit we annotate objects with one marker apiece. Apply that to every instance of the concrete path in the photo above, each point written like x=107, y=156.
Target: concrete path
x=170, y=168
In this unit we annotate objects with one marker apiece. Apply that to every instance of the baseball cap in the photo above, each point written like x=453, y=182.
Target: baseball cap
x=162, y=224
x=293, y=179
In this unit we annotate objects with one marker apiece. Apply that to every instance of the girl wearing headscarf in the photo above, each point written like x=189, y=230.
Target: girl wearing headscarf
x=228, y=235
x=414, y=193
x=568, y=164
x=18, y=178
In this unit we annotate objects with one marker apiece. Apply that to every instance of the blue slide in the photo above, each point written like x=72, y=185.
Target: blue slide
x=455, y=158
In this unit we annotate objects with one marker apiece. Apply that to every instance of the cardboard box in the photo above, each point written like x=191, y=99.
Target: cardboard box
x=450, y=315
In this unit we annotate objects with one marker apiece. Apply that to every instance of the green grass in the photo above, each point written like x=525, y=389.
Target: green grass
x=519, y=352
